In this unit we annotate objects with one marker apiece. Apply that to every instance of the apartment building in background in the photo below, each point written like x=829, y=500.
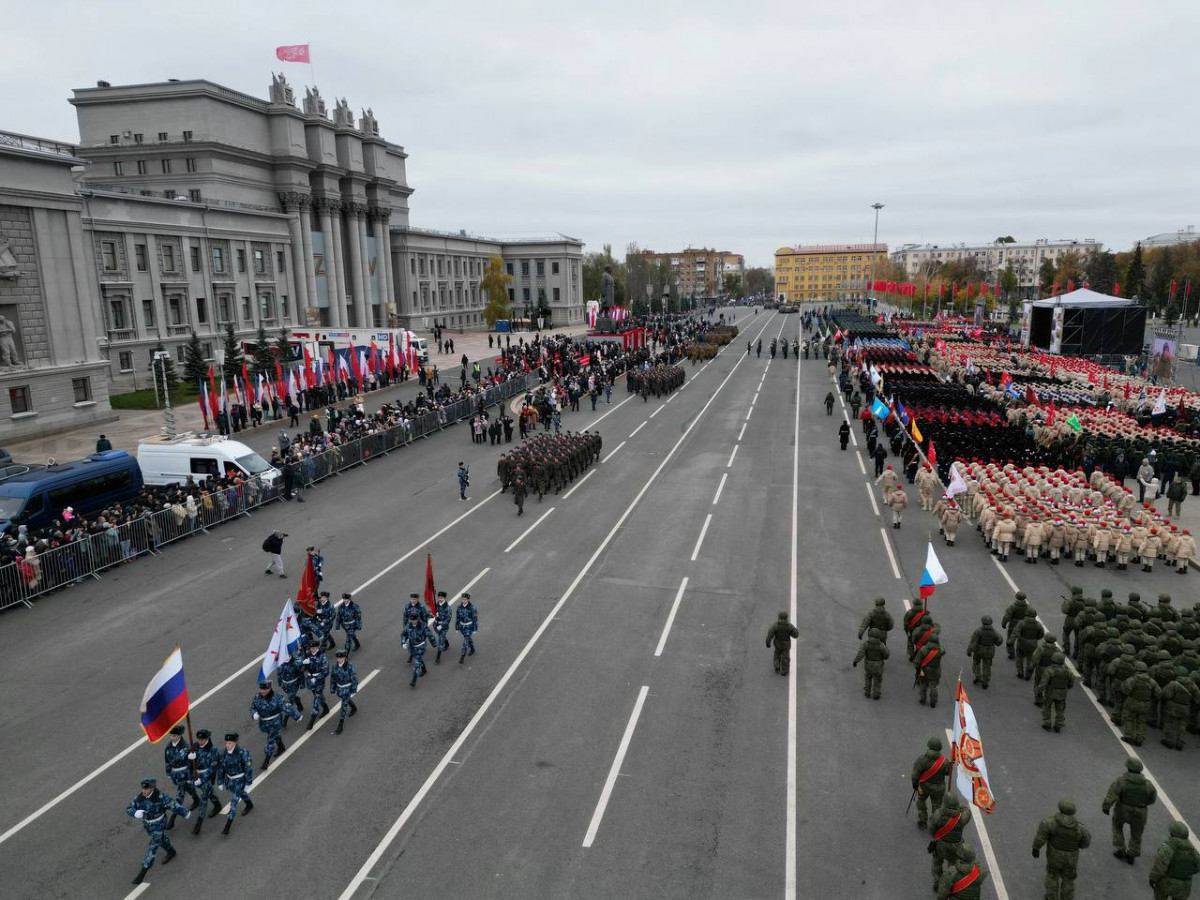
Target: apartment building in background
x=699, y=271
x=825, y=272
x=923, y=260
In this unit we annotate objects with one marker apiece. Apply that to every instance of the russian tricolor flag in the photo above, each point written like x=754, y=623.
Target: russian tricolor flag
x=165, y=702
x=933, y=575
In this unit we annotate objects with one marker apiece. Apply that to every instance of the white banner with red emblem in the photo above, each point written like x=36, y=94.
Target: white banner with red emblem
x=970, y=773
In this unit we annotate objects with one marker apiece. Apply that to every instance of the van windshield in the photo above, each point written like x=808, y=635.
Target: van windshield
x=10, y=506
x=253, y=463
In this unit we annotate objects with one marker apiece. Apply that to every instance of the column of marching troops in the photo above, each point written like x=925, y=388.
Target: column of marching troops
x=546, y=463
x=197, y=769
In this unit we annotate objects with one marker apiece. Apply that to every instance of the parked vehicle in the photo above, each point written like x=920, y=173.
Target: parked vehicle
x=166, y=460
x=36, y=495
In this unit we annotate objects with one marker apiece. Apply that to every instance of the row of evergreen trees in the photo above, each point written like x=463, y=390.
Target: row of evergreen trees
x=195, y=366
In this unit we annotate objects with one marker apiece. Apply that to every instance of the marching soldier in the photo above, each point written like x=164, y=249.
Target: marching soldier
x=1066, y=836
x=466, y=623
x=520, y=492
x=1141, y=696
x=1128, y=799
x=874, y=652
x=441, y=626
x=268, y=709
x=780, y=634
x=912, y=619
x=929, y=670
x=1043, y=653
x=415, y=638
x=326, y=616
x=965, y=880
x=948, y=827
x=898, y=501
x=175, y=758
x=1175, y=864
x=982, y=650
x=206, y=756
x=236, y=770
x=1029, y=632
x=930, y=777
x=1054, y=684
x=349, y=620
x=288, y=676
x=1071, y=609
x=150, y=806
x=877, y=617
x=316, y=669
x=414, y=607
x=343, y=681
x=1177, y=697
x=1013, y=615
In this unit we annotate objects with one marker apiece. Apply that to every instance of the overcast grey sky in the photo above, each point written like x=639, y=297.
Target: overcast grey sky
x=744, y=125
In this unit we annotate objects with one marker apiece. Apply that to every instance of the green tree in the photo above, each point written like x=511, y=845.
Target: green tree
x=1047, y=275
x=1158, y=286
x=495, y=284
x=195, y=366
x=231, y=353
x=264, y=359
x=593, y=273
x=1135, y=274
x=283, y=346
x=166, y=368
x=1010, y=286
x=760, y=281
x=543, y=308
x=1101, y=271
x=1007, y=239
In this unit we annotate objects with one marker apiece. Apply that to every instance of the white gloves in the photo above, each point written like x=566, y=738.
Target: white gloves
x=256, y=717
x=139, y=814
x=191, y=756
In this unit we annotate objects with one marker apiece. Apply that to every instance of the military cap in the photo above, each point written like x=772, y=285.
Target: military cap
x=439, y=593
x=1050, y=638
x=934, y=743
x=783, y=616
x=879, y=601
x=231, y=736
x=1164, y=598
x=203, y=734
x=1076, y=590
x=1020, y=595
x=263, y=684
x=340, y=654
x=414, y=595
x=953, y=802
x=149, y=782
x=1133, y=764
x=1178, y=830
x=1066, y=806
x=986, y=620
x=466, y=596
x=345, y=595
x=1135, y=597
x=1140, y=666
x=178, y=729
x=1106, y=593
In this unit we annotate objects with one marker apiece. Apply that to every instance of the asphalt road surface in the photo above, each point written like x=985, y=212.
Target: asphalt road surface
x=620, y=732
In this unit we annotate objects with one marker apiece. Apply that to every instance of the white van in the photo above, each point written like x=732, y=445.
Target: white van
x=165, y=460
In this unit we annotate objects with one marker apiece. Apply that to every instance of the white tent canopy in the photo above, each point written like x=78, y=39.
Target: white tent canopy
x=1083, y=298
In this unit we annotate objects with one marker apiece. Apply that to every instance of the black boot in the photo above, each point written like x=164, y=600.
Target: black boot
x=216, y=805
x=353, y=708
x=312, y=720
x=461, y=658
x=341, y=725
x=170, y=856
x=249, y=806
x=357, y=645
x=171, y=822
x=195, y=798
x=413, y=681
x=299, y=705
x=266, y=762
x=281, y=746
x=228, y=825
x=141, y=876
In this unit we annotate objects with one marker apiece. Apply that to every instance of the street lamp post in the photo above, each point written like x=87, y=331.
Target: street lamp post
x=160, y=358
x=875, y=240
x=649, y=294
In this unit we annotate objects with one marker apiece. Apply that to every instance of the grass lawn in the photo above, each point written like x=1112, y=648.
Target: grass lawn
x=181, y=395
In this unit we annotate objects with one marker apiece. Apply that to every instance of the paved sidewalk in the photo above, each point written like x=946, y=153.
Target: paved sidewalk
x=134, y=426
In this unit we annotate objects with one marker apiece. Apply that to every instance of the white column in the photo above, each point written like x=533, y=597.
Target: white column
x=383, y=246
x=335, y=214
x=309, y=271
x=354, y=273
x=364, y=271
x=333, y=253
x=296, y=213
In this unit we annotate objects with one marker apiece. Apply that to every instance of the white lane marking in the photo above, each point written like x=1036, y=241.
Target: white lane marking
x=887, y=545
x=610, y=782
x=640, y=427
x=613, y=452
x=138, y=891
x=861, y=467
x=578, y=486
x=656, y=412
x=425, y=543
x=749, y=412
x=470, y=584
x=743, y=431
x=754, y=399
x=720, y=487
x=377, y=854
x=729, y=465
x=521, y=537
x=986, y=842
x=1104, y=716
x=662, y=641
x=789, y=867
x=611, y=411
x=871, y=497
x=298, y=742
x=700, y=540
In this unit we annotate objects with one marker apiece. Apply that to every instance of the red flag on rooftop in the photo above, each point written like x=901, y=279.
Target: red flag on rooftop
x=293, y=53
x=306, y=596
x=430, y=595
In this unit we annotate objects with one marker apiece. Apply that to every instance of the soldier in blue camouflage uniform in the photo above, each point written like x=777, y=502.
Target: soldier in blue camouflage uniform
x=316, y=668
x=343, y=681
x=414, y=607
x=415, y=638
x=175, y=755
x=268, y=710
x=151, y=806
x=206, y=756
x=441, y=624
x=326, y=616
x=349, y=620
x=318, y=562
x=466, y=621
x=236, y=770
x=289, y=676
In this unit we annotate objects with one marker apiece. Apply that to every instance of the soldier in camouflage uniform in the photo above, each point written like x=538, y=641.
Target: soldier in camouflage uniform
x=1071, y=608
x=913, y=618
x=964, y=881
x=236, y=771
x=780, y=635
x=874, y=652
x=930, y=777
x=1127, y=800
x=1029, y=633
x=1040, y=661
x=1141, y=695
x=206, y=756
x=349, y=620
x=268, y=709
x=982, y=650
x=1055, y=681
x=1178, y=698
x=1013, y=615
x=343, y=681
x=948, y=827
x=175, y=759
x=1175, y=864
x=1066, y=836
x=316, y=669
x=288, y=676
x=151, y=806
x=877, y=617
x=928, y=662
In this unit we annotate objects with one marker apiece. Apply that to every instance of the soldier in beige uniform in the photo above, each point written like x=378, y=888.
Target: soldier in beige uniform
x=926, y=484
x=950, y=520
x=1150, y=547
x=1032, y=540
x=1101, y=540
x=898, y=501
x=1002, y=537
x=1185, y=551
x=1055, y=540
x=888, y=480
x=1124, y=547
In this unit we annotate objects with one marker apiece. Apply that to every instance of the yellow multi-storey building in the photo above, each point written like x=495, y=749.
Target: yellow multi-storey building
x=825, y=272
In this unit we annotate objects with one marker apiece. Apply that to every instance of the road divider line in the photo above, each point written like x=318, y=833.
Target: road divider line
x=720, y=487
x=729, y=465
x=640, y=427
x=887, y=545
x=611, y=781
x=138, y=891
x=521, y=537
x=656, y=412
x=700, y=540
x=749, y=412
x=410, y=809
x=861, y=467
x=611, y=411
x=985, y=842
x=578, y=486
x=871, y=497
x=743, y=431
x=789, y=865
x=662, y=641
x=613, y=452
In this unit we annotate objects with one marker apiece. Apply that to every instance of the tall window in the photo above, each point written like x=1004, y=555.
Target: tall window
x=166, y=167
x=260, y=262
x=108, y=255
x=125, y=358
x=247, y=312
x=241, y=260
x=224, y=308
x=187, y=136
x=139, y=254
x=118, y=168
x=194, y=195
x=266, y=307
x=194, y=250
x=141, y=167
x=524, y=267
x=283, y=306
x=18, y=399
x=175, y=309
x=148, y=313
x=218, y=256
x=541, y=267
x=279, y=261
x=138, y=138
x=162, y=136
x=553, y=268
x=201, y=311
x=82, y=388
x=190, y=163
x=116, y=315
x=168, y=257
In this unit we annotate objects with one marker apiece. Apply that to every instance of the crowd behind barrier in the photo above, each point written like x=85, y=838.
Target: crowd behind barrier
x=106, y=543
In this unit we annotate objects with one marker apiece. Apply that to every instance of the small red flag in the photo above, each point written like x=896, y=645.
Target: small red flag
x=1054, y=289
x=1126, y=390
x=1117, y=289
x=280, y=388
x=306, y=596
x=1174, y=288
x=1030, y=396
x=1050, y=417
x=212, y=394
x=1070, y=285
x=354, y=369
x=430, y=595
x=932, y=454
x=293, y=53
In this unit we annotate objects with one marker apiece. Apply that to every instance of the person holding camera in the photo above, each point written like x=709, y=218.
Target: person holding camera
x=464, y=479
x=274, y=546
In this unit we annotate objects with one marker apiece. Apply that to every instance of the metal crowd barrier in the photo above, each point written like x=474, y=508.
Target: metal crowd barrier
x=73, y=563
